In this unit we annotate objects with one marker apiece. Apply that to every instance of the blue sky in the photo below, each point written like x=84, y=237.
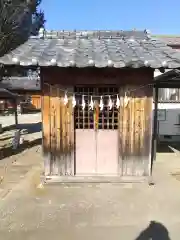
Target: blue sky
x=159, y=16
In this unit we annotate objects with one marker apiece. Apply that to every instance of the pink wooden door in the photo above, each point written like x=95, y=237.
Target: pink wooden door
x=107, y=152
x=85, y=152
x=96, y=152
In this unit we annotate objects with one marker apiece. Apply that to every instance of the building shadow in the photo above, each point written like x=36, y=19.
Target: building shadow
x=166, y=147
x=163, y=147
x=5, y=138
x=29, y=127
x=8, y=151
x=155, y=231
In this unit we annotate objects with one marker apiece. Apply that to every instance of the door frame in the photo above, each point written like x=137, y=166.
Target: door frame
x=118, y=173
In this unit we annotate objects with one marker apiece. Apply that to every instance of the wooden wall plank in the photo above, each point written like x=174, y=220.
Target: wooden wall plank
x=46, y=129
x=53, y=113
x=135, y=131
x=148, y=127
x=36, y=101
x=65, y=136
x=132, y=131
x=70, y=136
x=63, y=143
x=61, y=147
x=58, y=132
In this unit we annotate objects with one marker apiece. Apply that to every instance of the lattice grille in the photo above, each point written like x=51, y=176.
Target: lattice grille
x=91, y=119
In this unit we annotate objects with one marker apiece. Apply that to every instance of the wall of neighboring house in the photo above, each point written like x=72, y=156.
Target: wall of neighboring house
x=168, y=114
x=25, y=83
x=169, y=122
x=36, y=101
x=169, y=106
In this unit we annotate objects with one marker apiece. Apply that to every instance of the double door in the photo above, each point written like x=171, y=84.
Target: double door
x=96, y=133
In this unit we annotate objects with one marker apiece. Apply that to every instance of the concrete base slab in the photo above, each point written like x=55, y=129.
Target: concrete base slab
x=94, y=179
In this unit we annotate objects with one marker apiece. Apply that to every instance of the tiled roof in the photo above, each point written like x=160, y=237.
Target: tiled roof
x=99, y=49
x=5, y=94
x=172, y=74
x=169, y=40
x=20, y=83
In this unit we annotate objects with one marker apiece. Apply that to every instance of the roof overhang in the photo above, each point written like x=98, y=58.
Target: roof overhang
x=169, y=79
x=100, y=49
x=170, y=40
x=20, y=83
x=6, y=94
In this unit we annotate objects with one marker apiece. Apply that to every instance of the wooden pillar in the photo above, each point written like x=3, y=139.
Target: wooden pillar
x=155, y=125
x=15, y=113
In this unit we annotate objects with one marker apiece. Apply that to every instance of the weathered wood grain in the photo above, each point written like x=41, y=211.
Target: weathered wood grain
x=36, y=101
x=134, y=119
x=46, y=129
x=58, y=131
x=135, y=131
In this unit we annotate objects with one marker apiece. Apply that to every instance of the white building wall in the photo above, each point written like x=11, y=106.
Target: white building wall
x=169, y=130
x=172, y=119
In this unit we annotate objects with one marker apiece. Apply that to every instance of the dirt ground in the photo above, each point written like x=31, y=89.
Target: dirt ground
x=30, y=210
x=95, y=211
x=15, y=164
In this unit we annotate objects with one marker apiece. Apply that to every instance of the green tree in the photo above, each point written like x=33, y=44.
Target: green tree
x=18, y=20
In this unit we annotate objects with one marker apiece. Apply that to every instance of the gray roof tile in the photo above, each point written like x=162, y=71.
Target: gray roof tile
x=20, y=83
x=169, y=75
x=5, y=94
x=169, y=40
x=95, y=48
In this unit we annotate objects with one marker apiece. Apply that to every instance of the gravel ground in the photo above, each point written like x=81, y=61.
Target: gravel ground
x=15, y=164
x=7, y=121
x=31, y=210
x=29, y=124
x=94, y=211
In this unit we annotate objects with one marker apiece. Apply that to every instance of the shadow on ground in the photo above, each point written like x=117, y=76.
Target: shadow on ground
x=8, y=151
x=155, y=231
x=30, y=127
x=165, y=147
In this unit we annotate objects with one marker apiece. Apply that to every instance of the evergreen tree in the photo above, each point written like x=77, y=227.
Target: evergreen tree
x=18, y=20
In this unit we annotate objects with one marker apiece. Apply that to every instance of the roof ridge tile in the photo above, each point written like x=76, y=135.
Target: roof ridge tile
x=94, y=34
